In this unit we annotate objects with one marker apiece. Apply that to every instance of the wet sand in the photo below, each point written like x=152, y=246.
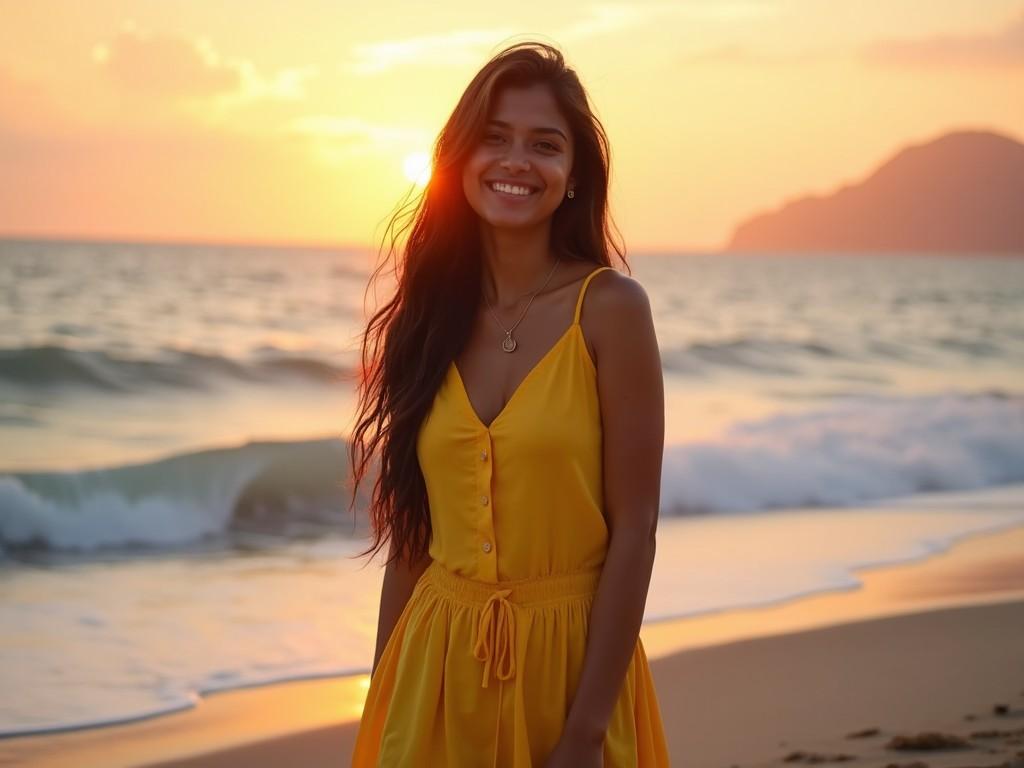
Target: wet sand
x=931, y=647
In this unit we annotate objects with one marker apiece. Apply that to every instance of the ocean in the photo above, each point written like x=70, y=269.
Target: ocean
x=172, y=455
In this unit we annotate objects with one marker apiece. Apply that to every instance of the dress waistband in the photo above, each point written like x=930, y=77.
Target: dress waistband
x=525, y=593
x=495, y=633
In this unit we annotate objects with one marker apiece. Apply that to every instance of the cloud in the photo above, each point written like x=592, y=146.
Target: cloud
x=336, y=139
x=605, y=18
x=1003, y=47
x=467, y=48
x=714, y=10
x=455, y=49
x=165, y=67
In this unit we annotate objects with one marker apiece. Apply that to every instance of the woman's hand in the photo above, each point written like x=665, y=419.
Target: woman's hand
x=576, y=752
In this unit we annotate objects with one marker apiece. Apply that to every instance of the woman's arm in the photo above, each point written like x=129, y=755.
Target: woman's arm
x=400, y=576
x=631, y=391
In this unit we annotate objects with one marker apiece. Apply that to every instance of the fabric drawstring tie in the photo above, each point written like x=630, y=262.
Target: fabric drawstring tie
x=493, y=632
x=496, y=637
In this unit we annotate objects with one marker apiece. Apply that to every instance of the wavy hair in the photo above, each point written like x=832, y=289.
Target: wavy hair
x=409, y=343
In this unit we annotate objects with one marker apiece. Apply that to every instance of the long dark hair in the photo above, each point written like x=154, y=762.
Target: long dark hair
x=411, y=340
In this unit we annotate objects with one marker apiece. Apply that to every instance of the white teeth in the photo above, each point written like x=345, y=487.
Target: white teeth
x=509, y=189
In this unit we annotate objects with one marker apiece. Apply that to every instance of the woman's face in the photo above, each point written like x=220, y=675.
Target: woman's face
x=526, y=142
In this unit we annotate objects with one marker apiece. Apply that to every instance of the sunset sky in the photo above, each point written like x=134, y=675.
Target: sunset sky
x=296, y=121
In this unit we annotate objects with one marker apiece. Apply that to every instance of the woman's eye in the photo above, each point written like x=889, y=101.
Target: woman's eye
x=546, y=144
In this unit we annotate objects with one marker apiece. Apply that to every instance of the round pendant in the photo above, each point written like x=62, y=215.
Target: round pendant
x=509, y=344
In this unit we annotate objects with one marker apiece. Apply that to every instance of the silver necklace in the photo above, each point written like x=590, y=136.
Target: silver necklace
x=508, y=344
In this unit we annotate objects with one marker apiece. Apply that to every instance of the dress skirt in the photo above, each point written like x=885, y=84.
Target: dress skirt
x=480, y=673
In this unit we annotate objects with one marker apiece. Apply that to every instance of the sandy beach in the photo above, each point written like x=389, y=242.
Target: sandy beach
x=931, y=647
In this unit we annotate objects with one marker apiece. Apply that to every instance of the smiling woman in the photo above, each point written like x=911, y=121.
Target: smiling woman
x=519, y=475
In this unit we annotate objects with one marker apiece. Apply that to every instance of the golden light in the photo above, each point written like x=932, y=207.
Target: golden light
x=417, y=168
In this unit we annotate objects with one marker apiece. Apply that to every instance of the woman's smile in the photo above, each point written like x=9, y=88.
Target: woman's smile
x=512, y=193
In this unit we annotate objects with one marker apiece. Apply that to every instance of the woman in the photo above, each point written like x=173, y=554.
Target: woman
x=520, y=435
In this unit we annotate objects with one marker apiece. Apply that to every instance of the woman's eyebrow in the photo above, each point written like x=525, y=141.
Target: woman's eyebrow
x=539, y=129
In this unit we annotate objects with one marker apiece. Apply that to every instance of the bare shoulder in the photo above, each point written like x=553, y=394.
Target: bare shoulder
x=617, y=313
x=611, y=290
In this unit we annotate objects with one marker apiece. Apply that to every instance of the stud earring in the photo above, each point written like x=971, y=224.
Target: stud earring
x=571, y=193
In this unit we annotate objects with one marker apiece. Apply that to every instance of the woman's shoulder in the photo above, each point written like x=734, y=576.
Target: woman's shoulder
x=613, y=296
x=616, y=316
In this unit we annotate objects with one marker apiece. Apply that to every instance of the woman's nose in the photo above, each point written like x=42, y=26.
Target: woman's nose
x=512, y=162
x=513, y=158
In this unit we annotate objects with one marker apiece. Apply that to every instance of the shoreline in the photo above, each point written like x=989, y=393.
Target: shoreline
x=735, y=687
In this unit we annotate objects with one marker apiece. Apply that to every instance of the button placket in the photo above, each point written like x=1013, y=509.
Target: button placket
x=485, y=505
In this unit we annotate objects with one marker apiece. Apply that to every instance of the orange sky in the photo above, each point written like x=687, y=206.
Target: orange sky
x=291, y=122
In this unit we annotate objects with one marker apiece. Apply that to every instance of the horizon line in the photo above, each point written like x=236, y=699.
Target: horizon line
x=271, y=243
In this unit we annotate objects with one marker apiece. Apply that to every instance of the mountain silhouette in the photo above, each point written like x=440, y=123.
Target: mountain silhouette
x=962, y=192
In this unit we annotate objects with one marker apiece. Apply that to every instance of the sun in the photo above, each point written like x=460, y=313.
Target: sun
x=417, y=168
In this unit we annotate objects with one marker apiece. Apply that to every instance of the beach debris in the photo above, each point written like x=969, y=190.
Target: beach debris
x=997, y=733
x=800, y=756
x=1000, y=709
x=929, y=740
x=864, y=733
x=915, y=764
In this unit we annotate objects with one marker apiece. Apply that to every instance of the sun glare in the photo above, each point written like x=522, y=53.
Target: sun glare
x=417, y=168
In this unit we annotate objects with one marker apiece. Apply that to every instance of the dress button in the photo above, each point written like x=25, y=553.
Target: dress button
x=483, y=455
x=483, y=500
x=487, y=546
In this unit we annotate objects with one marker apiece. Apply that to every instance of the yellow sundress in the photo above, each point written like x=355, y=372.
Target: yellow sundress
x=482, y=664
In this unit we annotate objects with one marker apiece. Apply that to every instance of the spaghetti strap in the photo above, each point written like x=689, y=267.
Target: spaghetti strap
x=583, y=289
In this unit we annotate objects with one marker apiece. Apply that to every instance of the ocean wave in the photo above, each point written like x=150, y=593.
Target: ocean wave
x=779, y=356
x=51, y=367
x=854, y=451
x=285, y=488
